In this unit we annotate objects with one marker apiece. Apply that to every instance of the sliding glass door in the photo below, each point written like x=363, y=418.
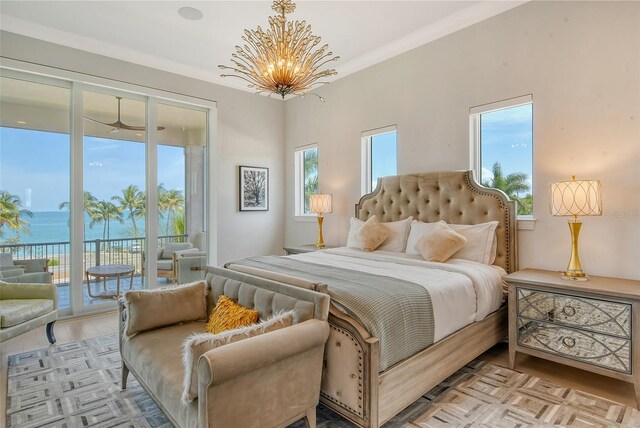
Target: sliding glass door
x=34, y=183
x=114, y=192
x=97, y=183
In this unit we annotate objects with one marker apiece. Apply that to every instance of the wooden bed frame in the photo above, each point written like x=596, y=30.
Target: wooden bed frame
x=352, y=383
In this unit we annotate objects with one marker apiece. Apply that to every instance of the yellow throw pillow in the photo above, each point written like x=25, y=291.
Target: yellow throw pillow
x=372, y=234
x=439, y=242
x=228, y=315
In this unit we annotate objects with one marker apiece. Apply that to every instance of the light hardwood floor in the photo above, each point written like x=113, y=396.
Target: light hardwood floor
x=99, y=325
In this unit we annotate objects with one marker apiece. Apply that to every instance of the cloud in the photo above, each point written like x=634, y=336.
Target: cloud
x=486, y=174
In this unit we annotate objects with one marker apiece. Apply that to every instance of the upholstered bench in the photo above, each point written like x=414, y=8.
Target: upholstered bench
x=269, y=380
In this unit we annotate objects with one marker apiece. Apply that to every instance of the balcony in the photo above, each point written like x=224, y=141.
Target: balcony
x=128, y=251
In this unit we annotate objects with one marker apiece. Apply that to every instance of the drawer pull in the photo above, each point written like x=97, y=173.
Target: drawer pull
x=569, y=342
x=569, y=310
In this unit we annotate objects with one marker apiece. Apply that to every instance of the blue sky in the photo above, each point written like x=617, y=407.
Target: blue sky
x=507, y=138
x=35, y=166
x=384, y=159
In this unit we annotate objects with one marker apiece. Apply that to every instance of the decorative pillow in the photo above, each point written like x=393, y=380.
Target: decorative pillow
x=439, y=243
x=372, y=234
x=228, y=315
x=172, y=247
x=396, y=241
x=418, y=229
x=481, y=243
x=149, y=309
x=198, y=344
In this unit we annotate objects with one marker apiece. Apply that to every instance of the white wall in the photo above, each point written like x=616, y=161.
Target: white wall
x=250, y=132
x=581, y=62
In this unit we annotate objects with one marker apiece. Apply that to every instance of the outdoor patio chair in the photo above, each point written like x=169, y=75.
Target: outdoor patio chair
x=19, y=276
x=191, y=266
x=29, y=265
x=167, y=258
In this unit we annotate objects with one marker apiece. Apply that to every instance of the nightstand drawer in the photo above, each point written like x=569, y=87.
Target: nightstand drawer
x=597, y=349
x=598, y=316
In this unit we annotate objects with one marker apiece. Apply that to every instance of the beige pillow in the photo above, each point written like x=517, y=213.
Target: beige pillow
x=372, y=234
x=149, y=309
x=439, y=243
x=198, y=344
x=396, y=241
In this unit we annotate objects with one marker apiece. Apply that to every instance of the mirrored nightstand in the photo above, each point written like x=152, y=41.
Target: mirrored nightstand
x=592, y=325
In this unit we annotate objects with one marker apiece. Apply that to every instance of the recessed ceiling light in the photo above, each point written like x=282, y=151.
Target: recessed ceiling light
x=139, y=135
x=21, y=122
x=190, y=13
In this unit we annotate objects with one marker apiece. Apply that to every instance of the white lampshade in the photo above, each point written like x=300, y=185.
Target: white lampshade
x=575, y=198
x=320, y=203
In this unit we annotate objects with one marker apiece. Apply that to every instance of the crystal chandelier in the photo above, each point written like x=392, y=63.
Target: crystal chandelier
x=284, y=59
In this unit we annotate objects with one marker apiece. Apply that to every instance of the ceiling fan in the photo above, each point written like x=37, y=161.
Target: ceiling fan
x=118, y=124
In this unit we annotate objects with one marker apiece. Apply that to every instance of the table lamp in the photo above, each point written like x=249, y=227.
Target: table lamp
x=320, y=204
x=575, y=198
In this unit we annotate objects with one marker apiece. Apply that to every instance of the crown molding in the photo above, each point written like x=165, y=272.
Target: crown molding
x=439, y=29
x=99, y=47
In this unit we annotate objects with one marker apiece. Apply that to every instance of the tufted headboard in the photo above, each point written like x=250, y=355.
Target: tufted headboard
x=452, y=196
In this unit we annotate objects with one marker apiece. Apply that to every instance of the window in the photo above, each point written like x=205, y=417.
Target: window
x=306, y=167
x=379, y=156
x=503, y=145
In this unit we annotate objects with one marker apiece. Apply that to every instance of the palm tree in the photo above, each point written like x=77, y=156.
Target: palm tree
x=170, y=202
x=513, y=184
x=11, y=213
x=88, y=204
x=106, y=211
x=178, y=223
x=132, y=200
x=310, y=176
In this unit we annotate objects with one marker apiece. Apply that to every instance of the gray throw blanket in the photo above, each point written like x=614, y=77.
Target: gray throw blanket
x=398, y=312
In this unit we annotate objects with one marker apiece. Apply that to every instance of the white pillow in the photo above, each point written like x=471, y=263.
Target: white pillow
x=481, y=243
x=397, y=240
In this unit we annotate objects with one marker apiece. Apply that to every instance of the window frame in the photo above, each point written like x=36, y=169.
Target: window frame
x=525, y=221
x=299, y=180
x=366, y=183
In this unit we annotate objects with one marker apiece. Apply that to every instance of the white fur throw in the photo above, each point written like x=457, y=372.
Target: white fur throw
x=199, y=343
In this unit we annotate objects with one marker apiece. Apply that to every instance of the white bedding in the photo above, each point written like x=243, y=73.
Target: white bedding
x=462, y=291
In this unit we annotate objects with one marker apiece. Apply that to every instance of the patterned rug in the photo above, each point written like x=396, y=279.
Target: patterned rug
x=77, y=385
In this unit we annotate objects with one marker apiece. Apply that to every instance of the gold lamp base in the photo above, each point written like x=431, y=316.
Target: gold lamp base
x=574, y=270
x=320, y=243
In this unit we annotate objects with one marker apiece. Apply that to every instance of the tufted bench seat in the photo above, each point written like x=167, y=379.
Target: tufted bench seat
x=270, y=380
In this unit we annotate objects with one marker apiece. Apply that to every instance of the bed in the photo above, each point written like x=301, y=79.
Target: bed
x=370, y=373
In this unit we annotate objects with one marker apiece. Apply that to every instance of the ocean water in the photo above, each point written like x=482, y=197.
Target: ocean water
x=53, y=226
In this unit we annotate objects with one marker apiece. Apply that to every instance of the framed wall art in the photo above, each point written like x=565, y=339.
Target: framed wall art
x=254, y=188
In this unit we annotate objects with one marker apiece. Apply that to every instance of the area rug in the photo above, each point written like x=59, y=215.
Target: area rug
x=77, y=385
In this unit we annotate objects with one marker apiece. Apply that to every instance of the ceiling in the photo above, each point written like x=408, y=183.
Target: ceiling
x=152, y=33
x=41, y=107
